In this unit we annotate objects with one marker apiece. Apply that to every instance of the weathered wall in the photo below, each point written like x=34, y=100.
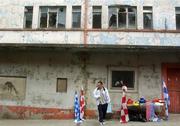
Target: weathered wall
x=43, y=68
x=95, y=38
x=12, y=16
x=12, y=11
x=41, y=37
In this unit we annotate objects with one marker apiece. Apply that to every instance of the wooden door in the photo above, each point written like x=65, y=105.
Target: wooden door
x=173, y=84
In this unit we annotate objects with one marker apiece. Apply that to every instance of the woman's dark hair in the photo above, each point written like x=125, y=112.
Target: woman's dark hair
x=100, y=82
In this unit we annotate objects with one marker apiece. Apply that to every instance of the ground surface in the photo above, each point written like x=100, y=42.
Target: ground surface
x=174, y=120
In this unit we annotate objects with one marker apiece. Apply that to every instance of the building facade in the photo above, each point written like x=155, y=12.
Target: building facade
x=50, y=49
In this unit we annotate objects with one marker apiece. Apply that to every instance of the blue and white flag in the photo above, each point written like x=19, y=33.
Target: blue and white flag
x=76, y=109
x=166, y=98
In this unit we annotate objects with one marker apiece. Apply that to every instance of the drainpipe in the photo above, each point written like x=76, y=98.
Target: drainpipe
x=85, y=22
x=85, y=46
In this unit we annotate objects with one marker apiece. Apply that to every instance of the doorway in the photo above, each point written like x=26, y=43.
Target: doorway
x=171, y=75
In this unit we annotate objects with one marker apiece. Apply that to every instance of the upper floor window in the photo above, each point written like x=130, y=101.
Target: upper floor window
x=28, y=15
x=123, y=17
x=147, y=17
x=52, y=17
x=96, y=17
x=76, y=16
x=177, y=17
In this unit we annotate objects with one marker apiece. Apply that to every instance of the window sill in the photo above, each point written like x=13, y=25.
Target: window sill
x=90, y=30
x=120, y=91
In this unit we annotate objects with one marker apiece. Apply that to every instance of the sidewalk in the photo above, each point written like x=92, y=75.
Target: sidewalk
x=174, y=120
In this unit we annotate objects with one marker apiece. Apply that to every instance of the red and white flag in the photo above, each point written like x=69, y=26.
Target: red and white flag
x=124, y=109
x=82, y=104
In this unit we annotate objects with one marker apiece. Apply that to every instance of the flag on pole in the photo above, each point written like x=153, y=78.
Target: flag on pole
x=166, y=99
x=124, y=110
x=82, y=104
x=76, y=109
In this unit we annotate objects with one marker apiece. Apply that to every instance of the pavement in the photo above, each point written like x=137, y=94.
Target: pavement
x=174, y=120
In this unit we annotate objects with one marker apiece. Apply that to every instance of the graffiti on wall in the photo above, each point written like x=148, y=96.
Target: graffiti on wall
x=12, y=88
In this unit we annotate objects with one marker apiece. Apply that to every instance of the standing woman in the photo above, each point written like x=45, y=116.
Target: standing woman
x=101, y=95
x=124, y=110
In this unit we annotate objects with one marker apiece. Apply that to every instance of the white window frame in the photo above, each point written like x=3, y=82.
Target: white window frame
x=51, y=9
x=177, y=12
x=127, y=17
x=145, y=11
x=97, y=9
x=24, y=25
x=114, y=68
x=76, y=11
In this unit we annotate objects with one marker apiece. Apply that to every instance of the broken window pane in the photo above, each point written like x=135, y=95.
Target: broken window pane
x=131, y=21
x=177, y=17
x=96, y=17
x=131, y=17
x=28, y=14
x=147, y=21
x=126, y=17
x=147, y=18
x=177, y=21
x=122, y=18
x=62, y=17
x=112, y=17
x=128, y=77
x=122, y=10
x=53, y=17
x=43, y=18
x=76, y=16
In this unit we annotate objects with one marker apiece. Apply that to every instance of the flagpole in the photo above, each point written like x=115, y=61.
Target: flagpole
x=166, y=99
x=82, y=104
x=76, y=109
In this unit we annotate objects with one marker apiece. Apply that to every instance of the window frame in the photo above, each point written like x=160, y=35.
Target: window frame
x=127, y=16
x=148, y=11
x=52, y=9
x=57, y=91
x=96, y=9
x=118, y=89
x=177, y=12
x=75, y=11
x=24, y=25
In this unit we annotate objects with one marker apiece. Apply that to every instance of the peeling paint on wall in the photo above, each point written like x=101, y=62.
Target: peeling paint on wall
x=81, y=68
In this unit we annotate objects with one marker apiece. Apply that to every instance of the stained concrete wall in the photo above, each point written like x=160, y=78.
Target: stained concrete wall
x=43, y=69
x=93, y=38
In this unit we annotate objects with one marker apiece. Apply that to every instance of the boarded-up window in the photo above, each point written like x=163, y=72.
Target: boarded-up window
x=61, y=85
x=177, y=17
x=12, y=88
x=28, y=15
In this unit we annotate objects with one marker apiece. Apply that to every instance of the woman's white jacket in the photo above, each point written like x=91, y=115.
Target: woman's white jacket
x=96, y=94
